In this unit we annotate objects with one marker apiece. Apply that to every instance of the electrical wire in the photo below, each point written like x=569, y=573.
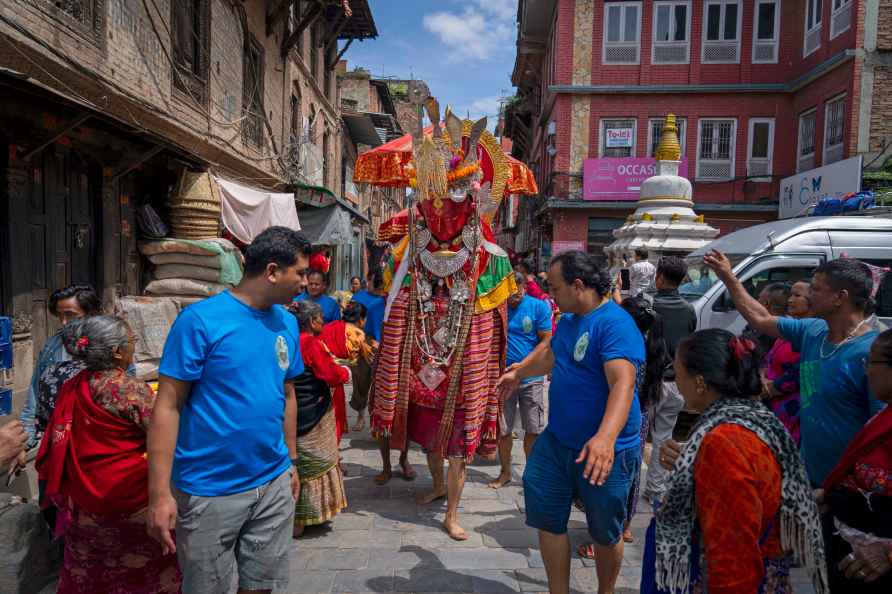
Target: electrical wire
x=93, y=75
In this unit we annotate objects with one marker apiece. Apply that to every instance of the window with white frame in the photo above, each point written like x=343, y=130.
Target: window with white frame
x=812, y=42
x=622, y=32
x=841, y=17
x=766, y=32
x=760, y=149
x=805, y=153
x=672, y=37
x=715, y=151
x=655, y=131
x=721, y=31
x=834, y=124
x=618, y=137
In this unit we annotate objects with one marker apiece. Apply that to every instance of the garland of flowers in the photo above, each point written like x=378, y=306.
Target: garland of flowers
x=453, y=175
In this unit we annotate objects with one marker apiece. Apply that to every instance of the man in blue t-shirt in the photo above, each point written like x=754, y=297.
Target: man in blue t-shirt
x=529, y=324
x=317, y=285
x=589, y=450
x=835, y=402
x=224, y=426
x=374, y=302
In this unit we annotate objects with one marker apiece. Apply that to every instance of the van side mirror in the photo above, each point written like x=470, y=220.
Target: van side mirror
x=724, y=303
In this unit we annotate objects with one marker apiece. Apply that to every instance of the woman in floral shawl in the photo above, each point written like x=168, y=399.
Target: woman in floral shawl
x=858, y=492
x=92, y=461
x=738, y=507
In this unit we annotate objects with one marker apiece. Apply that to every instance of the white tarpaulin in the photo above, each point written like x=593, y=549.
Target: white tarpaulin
x=248, y=211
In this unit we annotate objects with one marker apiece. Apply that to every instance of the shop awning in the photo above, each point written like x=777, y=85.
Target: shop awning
x=329, y=225
x=247, y=210
x=320, y=197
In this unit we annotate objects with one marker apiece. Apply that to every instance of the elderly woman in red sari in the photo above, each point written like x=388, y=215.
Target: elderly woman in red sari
x=322, y=493
x=92, y=461
x=858, y=492
x=346, y=340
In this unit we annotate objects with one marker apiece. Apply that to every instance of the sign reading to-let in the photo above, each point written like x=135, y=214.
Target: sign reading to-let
x=619, y=137
x=803, y=190
x=619, y=178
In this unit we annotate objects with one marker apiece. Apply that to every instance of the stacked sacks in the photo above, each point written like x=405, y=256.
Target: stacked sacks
x=190, y=270
x=195, y=207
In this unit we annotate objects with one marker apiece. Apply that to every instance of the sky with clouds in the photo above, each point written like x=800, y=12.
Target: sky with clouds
x=463, y=49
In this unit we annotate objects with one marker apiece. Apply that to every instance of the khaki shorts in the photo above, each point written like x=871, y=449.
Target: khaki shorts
x=530, y=398
x=249, y=532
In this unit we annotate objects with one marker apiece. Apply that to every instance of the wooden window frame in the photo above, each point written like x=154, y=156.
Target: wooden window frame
x=188, y=84
x=253, y=117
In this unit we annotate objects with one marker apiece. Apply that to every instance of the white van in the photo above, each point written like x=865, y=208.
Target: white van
x=786, y=251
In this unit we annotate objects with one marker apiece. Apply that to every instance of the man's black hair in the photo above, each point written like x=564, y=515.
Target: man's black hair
x=320, y=273
x=641, y=253
x=853, y=276
x=673, y=269
x=85, y=295
x=275, y=245
x=576, y=264
x=378, y=280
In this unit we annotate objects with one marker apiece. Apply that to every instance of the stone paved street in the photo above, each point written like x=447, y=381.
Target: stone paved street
x=385, y=542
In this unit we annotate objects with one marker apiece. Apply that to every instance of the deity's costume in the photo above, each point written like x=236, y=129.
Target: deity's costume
x=443, y=342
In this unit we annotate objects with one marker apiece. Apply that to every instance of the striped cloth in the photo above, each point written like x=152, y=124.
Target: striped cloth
x=481, y=366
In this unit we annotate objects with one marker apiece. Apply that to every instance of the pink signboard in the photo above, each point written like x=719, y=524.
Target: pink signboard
x=565, y=246
x=619, y=179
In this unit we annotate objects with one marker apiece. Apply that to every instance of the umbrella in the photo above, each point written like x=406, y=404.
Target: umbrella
x=389, y=164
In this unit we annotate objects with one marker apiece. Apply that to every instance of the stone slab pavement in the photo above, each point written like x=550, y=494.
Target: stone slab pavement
x=385, y=542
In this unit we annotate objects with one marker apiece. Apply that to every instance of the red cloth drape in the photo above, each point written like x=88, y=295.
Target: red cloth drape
x=317, y=356
x=871, y=447
x=92, y=456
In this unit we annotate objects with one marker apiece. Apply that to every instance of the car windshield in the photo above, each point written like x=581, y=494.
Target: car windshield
x=700, y=278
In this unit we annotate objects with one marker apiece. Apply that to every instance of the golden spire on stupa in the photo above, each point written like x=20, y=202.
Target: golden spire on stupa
x=669, y=149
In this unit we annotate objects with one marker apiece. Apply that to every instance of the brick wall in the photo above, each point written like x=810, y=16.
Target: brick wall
x=133, y=54
x=355, y=87
x=884, y=34
x=881, y=111
x=790, y=64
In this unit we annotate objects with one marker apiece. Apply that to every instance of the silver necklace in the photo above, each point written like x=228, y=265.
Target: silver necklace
x=443, y=266
x=839, y=345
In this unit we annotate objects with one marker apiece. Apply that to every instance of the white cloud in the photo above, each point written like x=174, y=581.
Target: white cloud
x=503, y=9
x=477, y=32
x=485, y=106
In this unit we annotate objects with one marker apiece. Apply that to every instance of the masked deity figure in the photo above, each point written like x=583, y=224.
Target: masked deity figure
x=443, y=341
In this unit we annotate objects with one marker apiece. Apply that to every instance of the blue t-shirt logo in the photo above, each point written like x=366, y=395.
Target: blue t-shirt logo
x=282, y=352
x=581, y=346
x=527, y=324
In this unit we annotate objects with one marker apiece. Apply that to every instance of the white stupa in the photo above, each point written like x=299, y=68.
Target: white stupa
x=664, y=221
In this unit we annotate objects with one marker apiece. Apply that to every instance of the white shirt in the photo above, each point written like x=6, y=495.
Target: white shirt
x=641, y=276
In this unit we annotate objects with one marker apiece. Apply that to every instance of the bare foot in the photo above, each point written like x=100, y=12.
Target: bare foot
x=500, y=482
x=383, y=478
x=429, y=498
x=359, y=425
x=408, y=471
x=298, y=530
x=455, y=531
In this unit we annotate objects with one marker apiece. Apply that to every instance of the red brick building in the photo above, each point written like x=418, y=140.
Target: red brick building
x=762, y=89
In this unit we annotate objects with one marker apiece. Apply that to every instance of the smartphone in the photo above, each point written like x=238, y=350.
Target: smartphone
x=685, y=422
x=624, y=282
